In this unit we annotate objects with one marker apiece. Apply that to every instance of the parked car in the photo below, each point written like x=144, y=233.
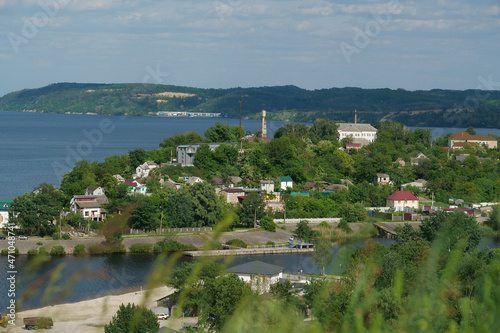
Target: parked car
x=22, y=237
x=162, y=316
x=2, y=236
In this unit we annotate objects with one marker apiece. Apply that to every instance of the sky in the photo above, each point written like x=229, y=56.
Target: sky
x=313, y=44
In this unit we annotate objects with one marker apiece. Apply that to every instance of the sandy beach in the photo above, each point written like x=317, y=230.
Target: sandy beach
x=90, y=316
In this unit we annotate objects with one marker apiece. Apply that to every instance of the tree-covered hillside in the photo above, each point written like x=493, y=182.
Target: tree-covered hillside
x=449, y=108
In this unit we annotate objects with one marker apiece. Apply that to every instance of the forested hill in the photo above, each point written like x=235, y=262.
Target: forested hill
x=447, y=108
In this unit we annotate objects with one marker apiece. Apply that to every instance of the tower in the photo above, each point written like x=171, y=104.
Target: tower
x=355, y=116
x=264, y=126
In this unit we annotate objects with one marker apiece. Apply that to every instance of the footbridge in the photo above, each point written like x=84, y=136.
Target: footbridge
x=388, y=229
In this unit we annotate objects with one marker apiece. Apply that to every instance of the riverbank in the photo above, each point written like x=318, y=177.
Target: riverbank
x=90, y=316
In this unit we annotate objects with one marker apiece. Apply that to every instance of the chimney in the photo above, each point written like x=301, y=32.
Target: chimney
x=355, y=116
x=264, y=126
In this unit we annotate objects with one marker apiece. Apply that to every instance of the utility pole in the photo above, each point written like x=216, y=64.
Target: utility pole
x=240, y=119
x=161, y=218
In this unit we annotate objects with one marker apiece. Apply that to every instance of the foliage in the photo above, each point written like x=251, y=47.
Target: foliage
x=220, y=298
x=66, y=236
x=141, y=248
x=267, y=223
x=79, y=249
x=304, y=231
x=57, y=250
x=322, y=255
x=146, y=215
x=237, y=242
x=32, y=252
x=251, y=210
x=133, y=318
x=169, y=245
x=494, y=218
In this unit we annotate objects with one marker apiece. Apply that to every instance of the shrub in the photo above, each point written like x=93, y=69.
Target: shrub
x=55, y=236
x=267, y=223
x=133, y=318
x=66, y=236
x=32, y=252
x=270, y=243
x=79, y=249
x=43, y=250
x=237, y=243
x=6, y=252
x=344, y=226
x=324, y=224
x=39, y=243
x=140, y=248
x=57, y=250
x=106, y=248
x=172, y=246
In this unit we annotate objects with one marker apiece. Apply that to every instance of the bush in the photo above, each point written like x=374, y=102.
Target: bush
x=32, y=252
x=343, y=225
x=214, y=246
x=106, y=248
x=267, y=223
x=55, y=236
x=6, y=252
x=133, y=318
x=66, y=236
x=79, y=249
x=39, y=243
x=140, y=248
x=324, y=224
x=57, y=250
x=43, y=250
x=172, y=246
x=237, y=243
x=270, y=243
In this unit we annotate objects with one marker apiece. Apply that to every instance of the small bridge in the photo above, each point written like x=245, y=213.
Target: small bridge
x=388, y=229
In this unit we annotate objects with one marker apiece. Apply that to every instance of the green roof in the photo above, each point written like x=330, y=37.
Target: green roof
x=5, y=204
x=285, y=179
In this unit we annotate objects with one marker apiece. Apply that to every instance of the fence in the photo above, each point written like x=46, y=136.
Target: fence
x=142, y=231
x=310, y=220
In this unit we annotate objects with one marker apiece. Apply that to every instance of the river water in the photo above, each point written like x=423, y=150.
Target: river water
x=101, y=275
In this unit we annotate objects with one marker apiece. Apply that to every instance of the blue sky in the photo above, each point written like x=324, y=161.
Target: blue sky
x=312, y=44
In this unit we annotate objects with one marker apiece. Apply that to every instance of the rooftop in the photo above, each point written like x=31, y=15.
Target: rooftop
x=356, y=127
x=285, y=179
x=402, y=195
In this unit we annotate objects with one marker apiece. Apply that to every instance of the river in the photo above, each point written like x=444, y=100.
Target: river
x=40, y=147
x=100, y=275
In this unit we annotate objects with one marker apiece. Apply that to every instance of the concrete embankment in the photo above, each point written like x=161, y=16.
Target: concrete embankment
x=242, y=252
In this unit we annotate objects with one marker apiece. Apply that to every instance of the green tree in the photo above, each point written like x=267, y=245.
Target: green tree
x=322, y=255
x=471, y=130
x=220, y=299
x=222, y=133
x=179, y=211
x=133, y=318
x=448, y=229
x=304, y=231
x=146, y=215
x=208, y=208
x=494, y=219
x=137, y=157
x=252, y=209
x=267, y=223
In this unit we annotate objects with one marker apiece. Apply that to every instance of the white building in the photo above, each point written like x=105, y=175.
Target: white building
x=360, y=133
x=401, y=200
x=94, y=190
x=258, y=274
x=267, y=186
x=285, y=182
x=143, y=170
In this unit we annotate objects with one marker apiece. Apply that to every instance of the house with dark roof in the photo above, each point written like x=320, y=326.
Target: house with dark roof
x=401, y=200
x=258, y=274
x=89, y=206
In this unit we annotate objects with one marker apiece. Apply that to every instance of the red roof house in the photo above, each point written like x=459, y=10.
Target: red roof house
x=402, y=199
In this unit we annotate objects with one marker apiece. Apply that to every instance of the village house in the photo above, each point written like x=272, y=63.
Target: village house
x=399, y=161
x=416, y=160
x=462, y=138
x=382, y=179
x=89, y=206
x=193, y=180
x=259, y=275
x=401, y=200
x=420, y=183
x=233, y=195
x=285, y=182
x=267, y=186
x=143, y=170
x=94, y=190
x=4, y=212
